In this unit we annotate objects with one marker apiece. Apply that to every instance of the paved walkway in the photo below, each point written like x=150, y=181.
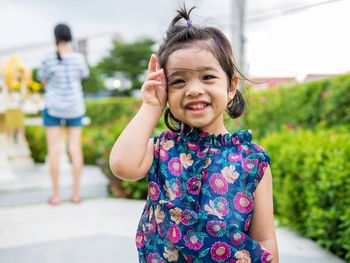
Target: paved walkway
x=100, y=229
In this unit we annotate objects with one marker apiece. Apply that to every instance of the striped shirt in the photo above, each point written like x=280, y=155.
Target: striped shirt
x=63, y=92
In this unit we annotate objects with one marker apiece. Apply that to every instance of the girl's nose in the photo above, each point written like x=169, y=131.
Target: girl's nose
x=194, y=89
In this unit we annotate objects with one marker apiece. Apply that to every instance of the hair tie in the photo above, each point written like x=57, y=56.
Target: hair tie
x=189, y=22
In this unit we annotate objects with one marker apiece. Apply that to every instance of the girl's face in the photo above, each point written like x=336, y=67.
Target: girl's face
x=198, y=89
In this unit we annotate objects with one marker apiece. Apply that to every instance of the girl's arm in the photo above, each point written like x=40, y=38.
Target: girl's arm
x=132, y=154
x=262, y=228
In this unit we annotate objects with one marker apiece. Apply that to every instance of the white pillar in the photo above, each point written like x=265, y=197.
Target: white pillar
x=238, y=38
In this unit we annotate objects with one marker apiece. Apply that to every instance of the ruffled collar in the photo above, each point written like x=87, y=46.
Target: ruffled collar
x=198, y=136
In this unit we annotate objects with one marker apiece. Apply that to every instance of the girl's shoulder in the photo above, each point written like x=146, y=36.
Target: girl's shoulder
x=251, y=148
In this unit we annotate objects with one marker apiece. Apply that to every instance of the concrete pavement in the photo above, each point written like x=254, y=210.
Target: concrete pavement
x=100, y=229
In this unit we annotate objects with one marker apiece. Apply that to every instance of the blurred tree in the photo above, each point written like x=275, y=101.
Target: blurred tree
x=94, y=84
x=131, y=59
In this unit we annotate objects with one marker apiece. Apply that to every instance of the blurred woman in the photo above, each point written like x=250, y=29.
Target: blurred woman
x=61, y=73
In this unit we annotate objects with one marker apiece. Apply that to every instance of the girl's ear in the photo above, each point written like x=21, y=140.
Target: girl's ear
x=233, y=88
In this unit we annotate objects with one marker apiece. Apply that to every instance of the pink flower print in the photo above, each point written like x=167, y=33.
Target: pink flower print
x=262, y=167
x=175, y=166
x=193, y=240
x=220, y=251
x=243, y=256
x=159, y=214
x=174, y=234
x=160, y=231
x=214, y=150
x=173, y=188
x=200, y=154
x=259, y=148
x=170, y=134
x=237, y=239
x=152, y=227
x=266, y=257
x=140, y=242
x=243, y=203
x=203, y=134
x=250, y=165
x=176, y=215
x=167, y=144
x=154, y=258
x=217, y=207
x=187, y=218
x=193, y=185
x=171, y=253
x=234, y=157
x=186, y=160
x=216, y=228
x=218, y=183
x=204, y=174
x=156, y=148
x=324, y=94
x=230, y=174
x=242, y=148
x=235, y=140
x=153, y=191
x=192, y=146
x=247, y=223
x=163, y=154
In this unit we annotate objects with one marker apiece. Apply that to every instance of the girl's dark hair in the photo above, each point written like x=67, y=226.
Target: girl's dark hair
x=62, y=34
x=180, y=36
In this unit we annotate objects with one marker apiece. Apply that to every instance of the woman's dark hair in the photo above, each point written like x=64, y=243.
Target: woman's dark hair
x=180, y=36
x=62, y=34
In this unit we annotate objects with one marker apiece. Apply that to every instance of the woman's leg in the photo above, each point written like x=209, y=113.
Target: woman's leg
x=53, y=137
x=76, y=155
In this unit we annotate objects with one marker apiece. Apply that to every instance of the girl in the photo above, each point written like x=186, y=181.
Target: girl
x=61, y=74
x=210, y=192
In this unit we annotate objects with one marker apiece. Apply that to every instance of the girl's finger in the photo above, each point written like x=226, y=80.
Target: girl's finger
x=155, y=75
x=157, y=64
x=152, y=83
x=152, y=64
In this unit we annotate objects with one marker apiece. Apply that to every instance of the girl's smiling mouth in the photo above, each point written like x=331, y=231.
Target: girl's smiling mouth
x=196, y=106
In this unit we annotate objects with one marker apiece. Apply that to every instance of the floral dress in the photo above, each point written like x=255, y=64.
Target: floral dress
x=201, y=198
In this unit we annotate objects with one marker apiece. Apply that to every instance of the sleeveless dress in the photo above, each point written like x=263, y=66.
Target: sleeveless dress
x=201, y=198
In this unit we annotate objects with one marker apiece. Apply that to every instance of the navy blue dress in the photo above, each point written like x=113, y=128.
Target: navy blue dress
x=201, y=199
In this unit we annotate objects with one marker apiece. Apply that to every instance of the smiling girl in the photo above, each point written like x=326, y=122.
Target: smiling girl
x=210, y=191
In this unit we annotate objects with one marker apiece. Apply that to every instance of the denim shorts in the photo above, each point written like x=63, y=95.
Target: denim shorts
x=51, y=121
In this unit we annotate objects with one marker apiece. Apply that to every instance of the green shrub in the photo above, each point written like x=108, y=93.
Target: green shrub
x=109, y=118
x=311, y=172
x=108, y=110
x=36, y=139
x=304, y=105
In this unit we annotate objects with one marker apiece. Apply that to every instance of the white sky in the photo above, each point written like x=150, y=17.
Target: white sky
x=311, y=41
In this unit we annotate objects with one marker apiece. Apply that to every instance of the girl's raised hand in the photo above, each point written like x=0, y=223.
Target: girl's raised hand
x=154, y=92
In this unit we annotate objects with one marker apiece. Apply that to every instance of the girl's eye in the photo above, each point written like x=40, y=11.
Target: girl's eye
x=177, y=81
x=208, y=77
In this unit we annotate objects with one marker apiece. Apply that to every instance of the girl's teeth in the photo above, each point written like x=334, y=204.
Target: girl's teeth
x=197, y=106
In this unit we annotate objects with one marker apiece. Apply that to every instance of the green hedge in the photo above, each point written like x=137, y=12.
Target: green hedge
x=311, y=172
x=304, y=105
x=108, y=119
x=107, y=110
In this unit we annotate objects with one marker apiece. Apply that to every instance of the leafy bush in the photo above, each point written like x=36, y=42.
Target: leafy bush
x=304, y=105
x=311, y=172
x=108, y=110
x=36, y=139
x=108, y=119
